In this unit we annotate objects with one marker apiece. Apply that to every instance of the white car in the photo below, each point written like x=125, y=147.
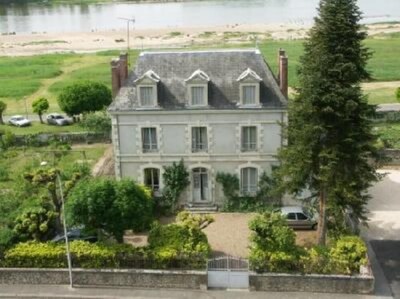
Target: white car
x=58, y=120
x=19, y=121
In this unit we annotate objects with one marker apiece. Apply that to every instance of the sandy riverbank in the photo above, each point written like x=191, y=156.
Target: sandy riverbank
x=41, y=43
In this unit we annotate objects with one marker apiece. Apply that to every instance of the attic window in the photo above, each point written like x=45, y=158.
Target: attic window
x=147, y=89
x=249, y=84
x=197, y=88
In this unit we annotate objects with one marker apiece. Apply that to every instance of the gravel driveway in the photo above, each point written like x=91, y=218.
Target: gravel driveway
x=229, y=234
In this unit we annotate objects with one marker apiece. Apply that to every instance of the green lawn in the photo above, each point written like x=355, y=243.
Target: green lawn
x=27, y=78
x=381, y=95
x=37, y=127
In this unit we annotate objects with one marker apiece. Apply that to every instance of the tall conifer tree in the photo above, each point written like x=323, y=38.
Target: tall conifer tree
x=330, y=141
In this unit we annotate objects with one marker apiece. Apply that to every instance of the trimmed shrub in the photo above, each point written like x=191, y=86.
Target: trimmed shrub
x=273, y=244
x=347, y=255
x=316, y=260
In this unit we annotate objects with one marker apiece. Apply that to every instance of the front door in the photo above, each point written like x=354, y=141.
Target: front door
x=200, y=185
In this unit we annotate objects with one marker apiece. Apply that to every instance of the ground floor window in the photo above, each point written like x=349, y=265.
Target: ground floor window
x=249, y=180
x=152, y=179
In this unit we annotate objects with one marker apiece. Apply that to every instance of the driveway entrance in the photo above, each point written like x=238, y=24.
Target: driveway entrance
x=228, y=272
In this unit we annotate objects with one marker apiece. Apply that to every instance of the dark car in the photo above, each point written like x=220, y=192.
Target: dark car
x=58, y=120
x=74, y=235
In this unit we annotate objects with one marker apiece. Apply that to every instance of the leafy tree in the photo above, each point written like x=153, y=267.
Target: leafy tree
x=330, y=139
x=46, y=178
x=84, y=97
x=397, y=95
x=40, y=106
x=110, y=206
x=98, y=121
x=3, y=107
x=176, y=179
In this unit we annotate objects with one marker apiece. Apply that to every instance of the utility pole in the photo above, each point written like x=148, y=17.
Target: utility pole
x=128, y=21
x=65, y=232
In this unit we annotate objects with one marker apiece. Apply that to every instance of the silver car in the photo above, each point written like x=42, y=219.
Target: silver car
x=58, y=120
x=19, y=121
x=297, y=217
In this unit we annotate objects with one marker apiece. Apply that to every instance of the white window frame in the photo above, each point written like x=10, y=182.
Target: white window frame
x=257, y=94
x=151, y=150
x=242, y=148
x=155, y=97
x=205, y=95
x=251, y=189
x=194, y=149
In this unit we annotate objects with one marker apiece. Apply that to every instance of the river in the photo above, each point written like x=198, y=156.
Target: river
x=30, y=18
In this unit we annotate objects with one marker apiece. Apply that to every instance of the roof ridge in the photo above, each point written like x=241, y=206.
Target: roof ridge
x=252, y=50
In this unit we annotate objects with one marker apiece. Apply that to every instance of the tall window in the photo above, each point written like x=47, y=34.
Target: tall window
x=198, y=95
x=152, y=179
x=249, y=139
x=149, y=140
x=249, y=180
x=199, y=139
x=249, y=95
x=146, y=96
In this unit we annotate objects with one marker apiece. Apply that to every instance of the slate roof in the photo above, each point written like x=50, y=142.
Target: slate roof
x=223, y=68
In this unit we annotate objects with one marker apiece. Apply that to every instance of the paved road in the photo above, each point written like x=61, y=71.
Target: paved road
x=384, y=232
x=388, y=256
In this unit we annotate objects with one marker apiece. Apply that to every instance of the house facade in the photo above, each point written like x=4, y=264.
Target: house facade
x=219, y=111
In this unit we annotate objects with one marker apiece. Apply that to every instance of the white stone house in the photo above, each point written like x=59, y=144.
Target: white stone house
x=218, y=110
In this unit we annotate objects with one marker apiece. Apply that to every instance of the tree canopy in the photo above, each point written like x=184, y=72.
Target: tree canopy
x=330, y=141
x=111, y=206
x=3, y=107
x=40, y=106
x=84, y=97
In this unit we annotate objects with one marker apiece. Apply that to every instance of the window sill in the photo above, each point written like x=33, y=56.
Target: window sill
x=249, y=106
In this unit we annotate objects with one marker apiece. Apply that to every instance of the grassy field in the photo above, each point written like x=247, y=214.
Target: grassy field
x=18, y=159
x=23, y=79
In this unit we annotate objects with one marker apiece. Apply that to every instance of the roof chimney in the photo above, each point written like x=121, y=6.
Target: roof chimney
x=283, y=72
x=123, y=64
x=115, y=77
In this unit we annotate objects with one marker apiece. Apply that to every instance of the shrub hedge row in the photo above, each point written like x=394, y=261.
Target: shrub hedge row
x=95, y=256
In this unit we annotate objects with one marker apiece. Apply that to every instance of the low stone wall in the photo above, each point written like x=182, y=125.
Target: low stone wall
x=89, y=277
x=312, y=283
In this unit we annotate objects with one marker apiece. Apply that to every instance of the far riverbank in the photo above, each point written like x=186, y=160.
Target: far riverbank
x=42, y=43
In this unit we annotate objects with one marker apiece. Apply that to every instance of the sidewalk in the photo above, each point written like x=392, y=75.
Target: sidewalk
x=50, y=291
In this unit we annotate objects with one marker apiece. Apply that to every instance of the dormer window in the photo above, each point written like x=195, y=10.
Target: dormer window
x=147, y=89
x=197, y=89
x=146, y=96
x=249, y=84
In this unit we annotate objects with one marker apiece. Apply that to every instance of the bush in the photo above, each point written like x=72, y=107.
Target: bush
x=173, y=240
x=398, y=94
x=347, y=255
x=273, y=244
x=98, y=121
x=316, y=260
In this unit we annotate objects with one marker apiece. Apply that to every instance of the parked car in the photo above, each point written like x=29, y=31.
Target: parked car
x=298, y=217
x=19, y=121
x=73, y=235
x=58, y=120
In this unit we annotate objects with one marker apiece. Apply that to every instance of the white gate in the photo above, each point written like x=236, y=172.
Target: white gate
x=228, y=272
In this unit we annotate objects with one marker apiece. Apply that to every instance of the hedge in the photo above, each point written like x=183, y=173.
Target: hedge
x=97, y=256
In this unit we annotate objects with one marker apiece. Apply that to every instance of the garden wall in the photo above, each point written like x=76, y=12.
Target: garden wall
x=89, y=277
x=274, y=282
